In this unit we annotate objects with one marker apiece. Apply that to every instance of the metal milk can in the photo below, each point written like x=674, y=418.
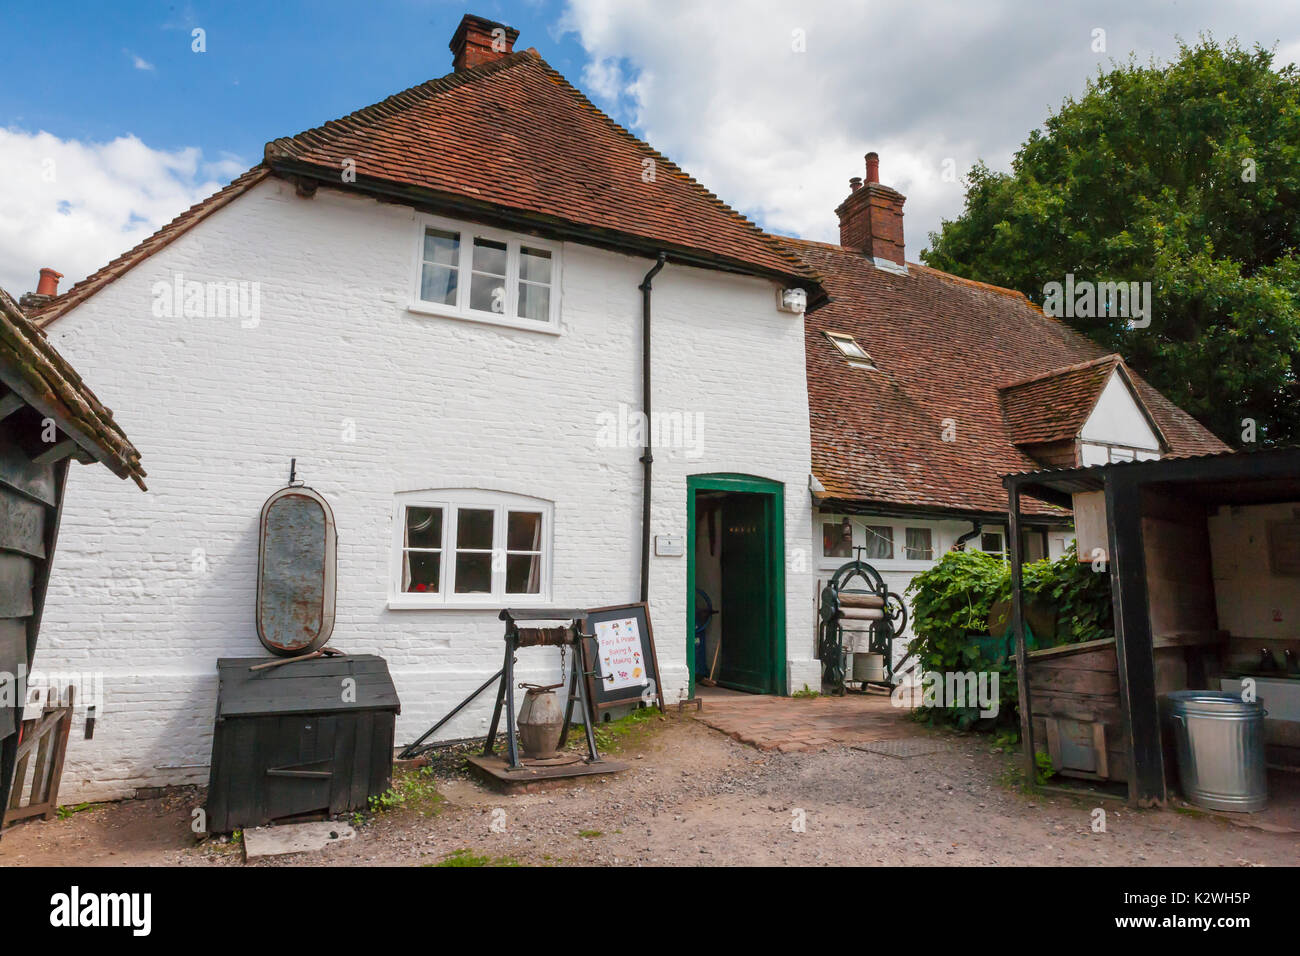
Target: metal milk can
x=541, y=718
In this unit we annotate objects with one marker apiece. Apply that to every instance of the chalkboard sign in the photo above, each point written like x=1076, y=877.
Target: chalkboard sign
x=625, y=667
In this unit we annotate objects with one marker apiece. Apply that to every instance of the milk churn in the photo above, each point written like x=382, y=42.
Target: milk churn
x=541, y=718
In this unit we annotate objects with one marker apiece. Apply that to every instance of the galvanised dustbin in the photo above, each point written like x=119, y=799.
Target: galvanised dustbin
x=1220, y=742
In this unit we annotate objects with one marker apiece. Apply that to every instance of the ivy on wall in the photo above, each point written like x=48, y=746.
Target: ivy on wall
x=954, y=602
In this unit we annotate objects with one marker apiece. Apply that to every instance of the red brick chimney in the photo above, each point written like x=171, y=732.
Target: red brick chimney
x=871, y=219
x=478, y=41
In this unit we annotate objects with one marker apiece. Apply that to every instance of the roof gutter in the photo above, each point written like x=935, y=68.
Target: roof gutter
x=976, y=527
x=852, y=506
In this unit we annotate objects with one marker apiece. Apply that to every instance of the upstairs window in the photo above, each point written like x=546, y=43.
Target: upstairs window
x=879, y=542
x=857, y=356
x=487, y=276
x=992, y=542
x=919, y=544
x=834, y=542
x=457, y=548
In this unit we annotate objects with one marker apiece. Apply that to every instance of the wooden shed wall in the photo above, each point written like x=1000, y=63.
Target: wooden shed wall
x=30, y=493
x=1080, y=682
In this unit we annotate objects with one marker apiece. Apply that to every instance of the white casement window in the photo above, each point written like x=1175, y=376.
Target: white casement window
x=994, y=543
x=835, y=544
x=918, y=544
x=467, y=548
x=879, y=542
x=470, y=272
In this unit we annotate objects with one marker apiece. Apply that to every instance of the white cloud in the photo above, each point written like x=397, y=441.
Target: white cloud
x=777, y=133
x=75, y=206
x=139, y=62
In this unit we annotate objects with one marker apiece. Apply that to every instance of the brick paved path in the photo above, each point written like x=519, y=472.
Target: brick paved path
x=801, y=724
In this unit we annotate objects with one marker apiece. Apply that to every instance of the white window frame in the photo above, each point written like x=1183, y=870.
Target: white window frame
x=1115, y=452
x=934, y=550
x=452, y=501
x=898, y=526
x=464, y=269
x=1001, y=532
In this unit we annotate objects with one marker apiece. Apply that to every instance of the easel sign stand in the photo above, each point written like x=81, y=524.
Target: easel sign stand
x=619, y=658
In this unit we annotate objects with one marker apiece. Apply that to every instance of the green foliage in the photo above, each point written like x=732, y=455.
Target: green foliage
x=1006, y=739
x=950, y=611
x=951, y=603
x=1080, y=595
x=1043, y=769
x=468, y=858
x=1186, y=175
x=415, y=790
x=807, y=692
x=616, y=734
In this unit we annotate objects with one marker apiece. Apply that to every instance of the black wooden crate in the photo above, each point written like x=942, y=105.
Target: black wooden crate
x=290, y=741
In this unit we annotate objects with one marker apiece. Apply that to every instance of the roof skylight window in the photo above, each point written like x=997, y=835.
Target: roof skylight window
x=849, y=347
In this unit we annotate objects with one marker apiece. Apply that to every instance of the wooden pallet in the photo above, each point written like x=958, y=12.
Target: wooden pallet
x=47, y=737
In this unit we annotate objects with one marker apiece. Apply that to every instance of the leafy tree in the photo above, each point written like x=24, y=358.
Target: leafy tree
x=1185, y=175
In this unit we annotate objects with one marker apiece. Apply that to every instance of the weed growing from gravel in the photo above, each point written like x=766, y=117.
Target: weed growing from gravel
x=414, y=790
x=466, y=857
x=633, y=727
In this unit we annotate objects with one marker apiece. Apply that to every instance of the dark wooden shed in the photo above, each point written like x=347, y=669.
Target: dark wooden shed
x=300, y=738
x=1150, y=522
x=48, y=416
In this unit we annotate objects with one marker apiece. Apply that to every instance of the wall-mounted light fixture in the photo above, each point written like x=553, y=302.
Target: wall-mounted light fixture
x=792, y=300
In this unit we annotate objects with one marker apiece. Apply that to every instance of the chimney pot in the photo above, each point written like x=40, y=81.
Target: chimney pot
x=478, y=41
x=873, y=167
x=871, y=218
x=49, y=282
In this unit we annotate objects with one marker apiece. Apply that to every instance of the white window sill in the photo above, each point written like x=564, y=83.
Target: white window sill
x=495, y=604
x=482, y=318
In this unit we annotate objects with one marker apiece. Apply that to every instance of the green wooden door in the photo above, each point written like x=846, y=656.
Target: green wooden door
x=745, y=661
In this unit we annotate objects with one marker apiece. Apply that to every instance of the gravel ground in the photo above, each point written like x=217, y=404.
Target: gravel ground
x=696, y=797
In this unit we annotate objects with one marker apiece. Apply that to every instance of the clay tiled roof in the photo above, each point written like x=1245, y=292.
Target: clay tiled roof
x=943, y=347
x=1055, y=405
x=32, y=369
x=515, y=136
x=509, y=139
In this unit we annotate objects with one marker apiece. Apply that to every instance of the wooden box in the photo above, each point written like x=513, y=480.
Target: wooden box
x=304, y=739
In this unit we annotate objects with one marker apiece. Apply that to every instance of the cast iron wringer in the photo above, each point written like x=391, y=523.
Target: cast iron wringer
x=858, y=602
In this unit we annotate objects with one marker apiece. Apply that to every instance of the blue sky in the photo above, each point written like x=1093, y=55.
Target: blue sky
x=110, y=125
x=96, y=71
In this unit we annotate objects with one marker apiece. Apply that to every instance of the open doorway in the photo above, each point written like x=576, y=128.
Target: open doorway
x=736, y=583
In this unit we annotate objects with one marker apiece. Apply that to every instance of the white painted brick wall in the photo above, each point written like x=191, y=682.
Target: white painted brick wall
x=218, y=410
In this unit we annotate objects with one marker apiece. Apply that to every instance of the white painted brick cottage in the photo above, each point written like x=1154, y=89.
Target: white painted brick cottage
x=449, y=343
